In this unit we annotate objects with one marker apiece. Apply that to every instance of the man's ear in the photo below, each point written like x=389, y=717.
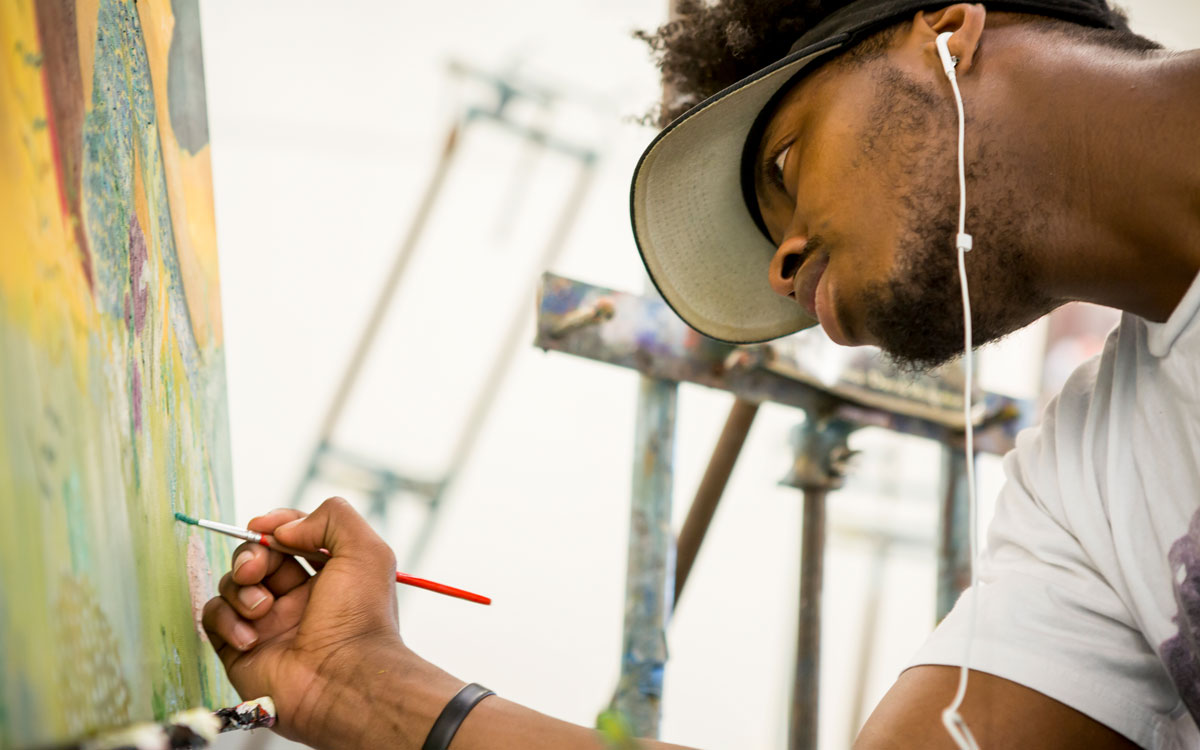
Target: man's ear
x=965, y=21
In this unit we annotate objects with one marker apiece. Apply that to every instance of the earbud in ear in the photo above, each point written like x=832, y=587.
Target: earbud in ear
x=943, y=48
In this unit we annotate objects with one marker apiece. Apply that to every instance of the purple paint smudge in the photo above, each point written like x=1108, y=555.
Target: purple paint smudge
x=137, y=262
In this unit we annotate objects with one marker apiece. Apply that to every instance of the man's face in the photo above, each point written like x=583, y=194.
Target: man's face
x=856, y=183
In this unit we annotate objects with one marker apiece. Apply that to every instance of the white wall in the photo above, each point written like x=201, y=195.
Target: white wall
x=326, y=120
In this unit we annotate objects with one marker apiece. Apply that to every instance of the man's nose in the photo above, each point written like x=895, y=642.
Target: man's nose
x=785, y=264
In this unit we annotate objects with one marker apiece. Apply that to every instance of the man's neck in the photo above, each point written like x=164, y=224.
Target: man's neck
x=1114, y=139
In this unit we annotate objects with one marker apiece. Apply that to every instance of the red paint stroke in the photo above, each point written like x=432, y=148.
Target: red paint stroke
x=61, y=89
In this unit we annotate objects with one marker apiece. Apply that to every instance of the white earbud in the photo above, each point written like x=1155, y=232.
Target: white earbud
x=963, y=241
x=951, y=718
x=943, y=48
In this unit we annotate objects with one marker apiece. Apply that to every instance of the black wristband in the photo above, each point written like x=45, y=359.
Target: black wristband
x=452, y=716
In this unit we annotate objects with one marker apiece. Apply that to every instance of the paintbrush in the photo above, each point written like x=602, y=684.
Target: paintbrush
x=271, y=542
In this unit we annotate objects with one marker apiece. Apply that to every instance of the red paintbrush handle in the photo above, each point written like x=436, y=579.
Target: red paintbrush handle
x=271, y=542
x=440, y=588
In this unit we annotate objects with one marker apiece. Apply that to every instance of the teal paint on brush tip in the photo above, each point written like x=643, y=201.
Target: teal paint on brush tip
x=186, y=519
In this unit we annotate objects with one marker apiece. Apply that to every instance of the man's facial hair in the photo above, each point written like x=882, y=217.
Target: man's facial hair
x=916, y=314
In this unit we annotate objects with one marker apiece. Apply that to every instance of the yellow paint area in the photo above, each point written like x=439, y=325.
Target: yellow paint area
x=40, y=259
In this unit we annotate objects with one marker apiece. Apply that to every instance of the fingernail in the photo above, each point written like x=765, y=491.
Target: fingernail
x=244, y=636
x=252, y=596
x=241, y=560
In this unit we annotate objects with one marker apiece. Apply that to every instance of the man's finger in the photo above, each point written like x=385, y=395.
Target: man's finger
x=251, y=602
x=253, y=562
x=267, y=522
x=289, y=575
x=229, y=633
x=338, y=528
x=218, y=643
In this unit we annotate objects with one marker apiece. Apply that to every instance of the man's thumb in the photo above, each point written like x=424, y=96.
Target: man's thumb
x=336, y=527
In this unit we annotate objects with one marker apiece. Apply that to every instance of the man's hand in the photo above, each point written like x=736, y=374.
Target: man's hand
x=327, y=648
x=298, y=638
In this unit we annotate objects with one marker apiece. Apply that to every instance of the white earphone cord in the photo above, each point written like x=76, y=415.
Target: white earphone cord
x=951, y=719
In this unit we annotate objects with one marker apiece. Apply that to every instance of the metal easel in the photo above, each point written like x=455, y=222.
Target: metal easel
x=646, y=336
x=382, y=484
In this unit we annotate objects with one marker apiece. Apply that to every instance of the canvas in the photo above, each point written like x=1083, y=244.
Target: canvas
x=112, y=384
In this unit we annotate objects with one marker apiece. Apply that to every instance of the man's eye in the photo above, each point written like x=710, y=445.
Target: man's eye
x=777, y=171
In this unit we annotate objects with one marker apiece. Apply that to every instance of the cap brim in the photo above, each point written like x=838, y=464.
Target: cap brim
x=703, y=250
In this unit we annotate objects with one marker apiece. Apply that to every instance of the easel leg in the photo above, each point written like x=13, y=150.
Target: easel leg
x=822, y=454
x=954, y=554
x=650, y=574
x=802, y=733
x=712, y=486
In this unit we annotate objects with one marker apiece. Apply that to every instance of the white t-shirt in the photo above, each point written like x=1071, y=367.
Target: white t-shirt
x=1089, y=590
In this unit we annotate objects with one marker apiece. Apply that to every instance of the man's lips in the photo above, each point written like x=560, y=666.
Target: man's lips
x=817, y=298
x=806, y=280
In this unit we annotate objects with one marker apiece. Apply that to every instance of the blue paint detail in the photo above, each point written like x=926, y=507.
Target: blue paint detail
x=560, y=299
x=644, y=673
x=185, y=78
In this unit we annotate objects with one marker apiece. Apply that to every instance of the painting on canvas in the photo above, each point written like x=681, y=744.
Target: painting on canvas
x=112, y=378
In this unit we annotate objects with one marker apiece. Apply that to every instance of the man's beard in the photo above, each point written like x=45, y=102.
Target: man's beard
x=916, y=315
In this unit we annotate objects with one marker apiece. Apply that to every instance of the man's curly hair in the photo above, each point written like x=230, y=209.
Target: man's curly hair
x=710, y=47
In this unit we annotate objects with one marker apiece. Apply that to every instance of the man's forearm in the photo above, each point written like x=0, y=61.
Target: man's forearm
x=398, y=699
x=503, y=725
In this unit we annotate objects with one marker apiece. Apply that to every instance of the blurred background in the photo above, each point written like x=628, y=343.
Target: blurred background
x=327, y=124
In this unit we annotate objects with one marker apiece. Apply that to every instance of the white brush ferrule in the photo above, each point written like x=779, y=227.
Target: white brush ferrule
x=235, y=531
